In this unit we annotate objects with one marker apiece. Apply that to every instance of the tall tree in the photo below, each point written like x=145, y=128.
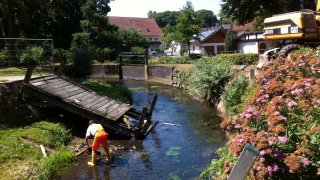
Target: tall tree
x=208, y=18
x=132, y=38
x=230, y=41
x=64, y=14
x=164, y=18
x=97, y=32
x=244, y=11
x=187, y=27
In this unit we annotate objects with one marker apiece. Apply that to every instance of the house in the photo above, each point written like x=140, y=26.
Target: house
x=147, y=26
x=211, y=42
x=251, y=42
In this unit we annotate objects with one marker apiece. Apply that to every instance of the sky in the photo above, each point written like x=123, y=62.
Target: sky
x=140, y=8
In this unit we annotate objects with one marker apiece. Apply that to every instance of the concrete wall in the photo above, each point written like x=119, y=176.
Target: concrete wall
x=162, y=74
x=133, y=72
x=105, y=71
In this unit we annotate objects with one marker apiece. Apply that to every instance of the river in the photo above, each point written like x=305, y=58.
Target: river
x=179, y=151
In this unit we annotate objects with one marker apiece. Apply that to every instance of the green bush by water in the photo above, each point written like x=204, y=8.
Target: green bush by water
x=209, y=79
x=51, y=166
x=82, y=60
x=233, y=96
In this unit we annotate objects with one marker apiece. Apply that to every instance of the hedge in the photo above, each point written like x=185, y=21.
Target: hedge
x=239, y=59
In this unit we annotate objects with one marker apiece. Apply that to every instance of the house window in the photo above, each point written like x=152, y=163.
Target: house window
x=150, y=38
x=156, y=39
x=148, y=30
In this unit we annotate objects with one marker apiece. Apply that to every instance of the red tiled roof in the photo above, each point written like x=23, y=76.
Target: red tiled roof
x=147, y=26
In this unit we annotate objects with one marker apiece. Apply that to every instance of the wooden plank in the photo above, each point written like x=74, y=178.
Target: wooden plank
x=90, y=100
x=118, y=112
x=104, y=107
x=104, y=111
x=96, y=101
x=84, y=98
x=53, y=85
x=142, y=117
x=64, y=96
x=98, y=105
x=47, y=82
x=43, y=78
x=74, y=99
x=111, y=108
x=61, y=91
x=153, y=104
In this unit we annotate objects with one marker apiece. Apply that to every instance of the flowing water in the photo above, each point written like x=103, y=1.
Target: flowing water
x=179, y=150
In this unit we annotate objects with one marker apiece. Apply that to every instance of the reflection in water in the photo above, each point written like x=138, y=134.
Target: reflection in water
x=169, y=152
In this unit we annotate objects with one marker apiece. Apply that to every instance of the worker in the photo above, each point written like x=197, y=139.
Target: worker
x=100, y=137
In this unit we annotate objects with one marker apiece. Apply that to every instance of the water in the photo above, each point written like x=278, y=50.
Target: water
x=168, y=152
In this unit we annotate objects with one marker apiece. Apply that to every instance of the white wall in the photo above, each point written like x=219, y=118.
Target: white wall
x=196, y=49
x=248, y=47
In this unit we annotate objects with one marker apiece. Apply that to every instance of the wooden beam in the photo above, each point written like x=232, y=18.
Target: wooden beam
x=142, y=117
x=153, y=104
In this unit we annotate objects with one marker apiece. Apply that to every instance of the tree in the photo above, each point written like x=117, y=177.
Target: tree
x=244, y=11
x=164, y=18
x=16, y=19
x=207, y=18
x=187, y=26
x=64, y=14
x=132, y=38
x=229, y=41
x=97, y=32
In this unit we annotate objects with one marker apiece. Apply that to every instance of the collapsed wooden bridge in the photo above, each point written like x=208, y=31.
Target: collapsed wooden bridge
x=79, y=100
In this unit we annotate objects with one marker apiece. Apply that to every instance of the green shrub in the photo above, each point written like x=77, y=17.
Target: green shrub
x=232, y=96
x=209, y=78
x=60, y=54
x=195, y=56
x=238, y=59
x=174, y=60
x=32, y=53
x=182, y=51
x=305, y=50
x=51, y=166
x=138, y=49
x=102, y=54
x=82, y=63
x=3, y=55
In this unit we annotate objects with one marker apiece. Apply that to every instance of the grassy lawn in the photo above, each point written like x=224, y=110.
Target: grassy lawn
x=122, y=94
x=22, y=161
x=13, y=71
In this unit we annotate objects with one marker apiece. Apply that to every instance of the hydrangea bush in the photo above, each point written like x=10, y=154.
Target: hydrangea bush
x=282, y=120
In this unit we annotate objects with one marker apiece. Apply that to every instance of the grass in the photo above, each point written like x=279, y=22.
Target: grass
x=120, y=93
x=13, y=71
x=22, y=161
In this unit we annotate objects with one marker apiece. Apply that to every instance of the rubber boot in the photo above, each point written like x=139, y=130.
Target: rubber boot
x=106, y=149
x=94, y=159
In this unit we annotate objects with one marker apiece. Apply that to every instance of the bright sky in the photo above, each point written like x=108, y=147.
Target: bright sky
x=140, y=8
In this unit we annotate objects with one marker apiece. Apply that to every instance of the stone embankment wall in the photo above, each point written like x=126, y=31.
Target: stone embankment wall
x=161, y=74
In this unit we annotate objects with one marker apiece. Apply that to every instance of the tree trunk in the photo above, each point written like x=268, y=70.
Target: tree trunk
x=11, y=44
x=189, y=48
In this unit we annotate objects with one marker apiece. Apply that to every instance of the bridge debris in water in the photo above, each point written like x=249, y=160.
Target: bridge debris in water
x=79, y=100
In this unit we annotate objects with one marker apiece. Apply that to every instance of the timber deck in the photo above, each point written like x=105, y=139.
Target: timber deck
x=89, y=104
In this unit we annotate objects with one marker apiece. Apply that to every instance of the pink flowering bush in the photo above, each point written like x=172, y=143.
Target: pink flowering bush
x=282, y=120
